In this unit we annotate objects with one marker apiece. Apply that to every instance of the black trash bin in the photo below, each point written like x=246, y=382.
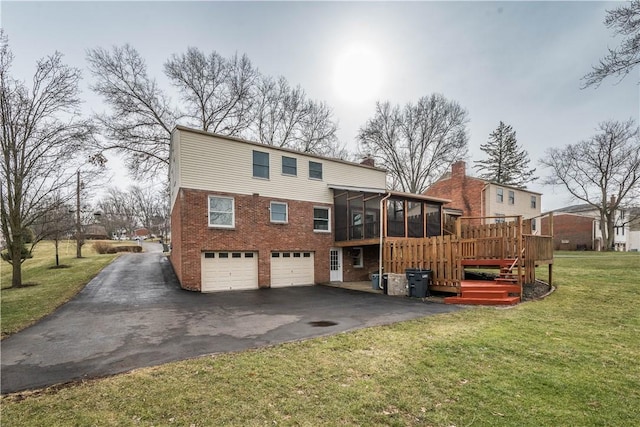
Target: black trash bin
x=419, y=280
x=385, y=282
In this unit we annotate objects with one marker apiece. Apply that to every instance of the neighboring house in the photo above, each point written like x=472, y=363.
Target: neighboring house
x=477, y=197
x=142, y=232
x=577, y=227
x=246, y=215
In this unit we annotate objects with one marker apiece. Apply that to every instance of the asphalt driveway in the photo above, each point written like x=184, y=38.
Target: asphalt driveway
x=134, y=314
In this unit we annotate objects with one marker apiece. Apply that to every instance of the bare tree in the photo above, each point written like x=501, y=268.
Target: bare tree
x=217, y=92
x=56, y=223
x=284, y=117
x=416, y=143
x=506, y=162
x=42, y=136
x=142, y=116
x=603, y=171
x=118, y=212
x=221, y=95
x=624, y=21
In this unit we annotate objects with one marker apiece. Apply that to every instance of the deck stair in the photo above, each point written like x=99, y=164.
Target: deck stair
x=504, y=290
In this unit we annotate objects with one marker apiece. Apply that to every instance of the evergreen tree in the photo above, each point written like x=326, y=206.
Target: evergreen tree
x=507, y=163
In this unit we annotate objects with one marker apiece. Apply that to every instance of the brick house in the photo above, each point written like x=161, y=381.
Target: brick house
x=477, y=197
x=577, y=227
x=245, y=215
x=571, y=232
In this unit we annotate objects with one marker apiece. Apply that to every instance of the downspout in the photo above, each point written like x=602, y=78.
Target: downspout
x=384, y=199
x=482, y=197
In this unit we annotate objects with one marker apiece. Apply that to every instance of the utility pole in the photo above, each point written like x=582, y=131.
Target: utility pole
x=79, y=237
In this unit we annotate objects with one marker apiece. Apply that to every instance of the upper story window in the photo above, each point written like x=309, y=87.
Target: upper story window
x=534, y=202
x=499, y=195
x=315, y=170
x=289, y=166
x=512, y=197
x=221, y=212
x=279, y=212
x=321, y=219
x=260, y=164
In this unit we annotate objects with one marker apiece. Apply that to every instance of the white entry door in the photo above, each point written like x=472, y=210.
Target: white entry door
x=335, y=264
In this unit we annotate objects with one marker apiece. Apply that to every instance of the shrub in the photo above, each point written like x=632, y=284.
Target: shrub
x=102, y=247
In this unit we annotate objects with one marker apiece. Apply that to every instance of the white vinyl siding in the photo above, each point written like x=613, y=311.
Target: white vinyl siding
x=521, y=205
x=215, y=163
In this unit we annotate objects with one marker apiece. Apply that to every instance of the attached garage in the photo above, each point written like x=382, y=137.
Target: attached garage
x=225, y=271
x=291, y=269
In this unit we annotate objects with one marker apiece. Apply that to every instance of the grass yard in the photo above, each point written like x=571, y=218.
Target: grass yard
x=22, y=307
x=572, y=359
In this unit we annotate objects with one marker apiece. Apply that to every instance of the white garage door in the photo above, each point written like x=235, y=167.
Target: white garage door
x=225, y=271
x=291, y=269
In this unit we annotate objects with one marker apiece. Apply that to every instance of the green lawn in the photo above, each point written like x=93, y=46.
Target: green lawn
x=572, y=359
x=52, y=287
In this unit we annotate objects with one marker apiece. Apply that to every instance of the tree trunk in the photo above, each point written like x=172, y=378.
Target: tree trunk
x=16, y=254
x=603, y=232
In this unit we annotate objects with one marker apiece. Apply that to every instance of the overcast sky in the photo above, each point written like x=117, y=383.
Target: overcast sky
x=519, y=62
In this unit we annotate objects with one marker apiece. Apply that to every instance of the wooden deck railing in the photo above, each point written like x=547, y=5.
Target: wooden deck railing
x=443, y=255
x=439, y=254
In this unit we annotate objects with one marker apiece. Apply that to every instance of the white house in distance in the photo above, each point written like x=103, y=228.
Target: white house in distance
x=581, y=224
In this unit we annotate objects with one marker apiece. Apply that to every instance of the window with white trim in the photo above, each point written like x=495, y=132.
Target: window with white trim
x=279, y=212
x=321, y=219
x=356, y=256
x=499, y=195
x=534, y=202
x=315, y=170
x=260, y=164
x=512, y=197
x=221, y=212
x=289, y=166
x=500, y=218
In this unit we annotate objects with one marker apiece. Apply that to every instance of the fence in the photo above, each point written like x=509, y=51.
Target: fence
x=443, y=255
x=439, y=254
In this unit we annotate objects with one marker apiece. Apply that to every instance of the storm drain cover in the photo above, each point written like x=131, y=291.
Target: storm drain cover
x=322, y=323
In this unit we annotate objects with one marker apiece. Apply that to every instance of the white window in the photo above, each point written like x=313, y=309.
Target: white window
x=500, y=218
x=221, y=212
x=321, y=219
x=512, y=197
x=315, y=170
x=356, y=256
x=279, y=212
x=499, y=195
x=260, y=164
x=533, y=224
x=289, y=166
x=534, y=202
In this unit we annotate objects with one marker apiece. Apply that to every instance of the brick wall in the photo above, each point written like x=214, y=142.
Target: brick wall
x=253, y=231
x=574, y=230
x=369, y=260
x=465, y=192
x=176, y=236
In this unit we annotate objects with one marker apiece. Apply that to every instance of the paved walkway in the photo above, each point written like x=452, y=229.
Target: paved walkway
x=133, y=314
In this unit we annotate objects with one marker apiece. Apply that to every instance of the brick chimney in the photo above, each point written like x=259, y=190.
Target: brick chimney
x=458, y=169
x=368, y=161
